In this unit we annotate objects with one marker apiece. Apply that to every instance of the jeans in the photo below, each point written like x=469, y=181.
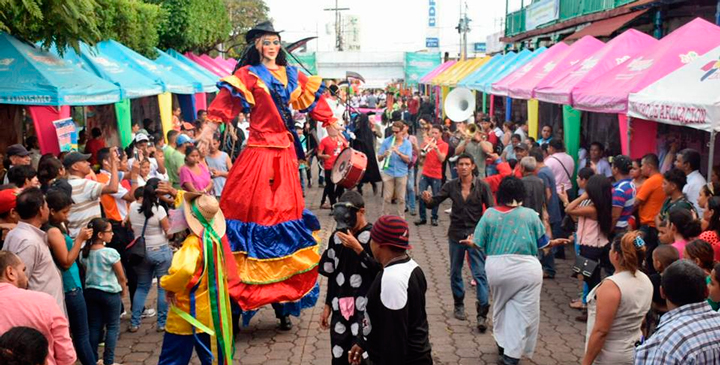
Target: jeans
x=103, y=312
x=650, y=235
x=156, y=264
x=302, y=180
x=177, y=349
x=78, y=318
x=410, y=192
x=453, y=170
x=548, y=260
x=434, y=185
x=394, y=187
x=477, y=267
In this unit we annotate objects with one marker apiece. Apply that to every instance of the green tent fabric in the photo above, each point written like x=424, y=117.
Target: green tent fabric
x=571, y=131
x=307, y=59
x=124, y=122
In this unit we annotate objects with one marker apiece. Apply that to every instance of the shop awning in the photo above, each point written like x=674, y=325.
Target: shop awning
x=606, y=27
x=609, y=93
x=31, y=76
x=509, y=64
x=180, y=57
x=133, y=84
x=558, y=90
x=524, y=87
x=430, y=75
x=539, y=62
x=172, y=82
x=461, y=74
x=199, y=79
x=689, y=96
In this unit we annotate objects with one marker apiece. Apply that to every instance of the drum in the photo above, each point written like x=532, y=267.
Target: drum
x=349, y=168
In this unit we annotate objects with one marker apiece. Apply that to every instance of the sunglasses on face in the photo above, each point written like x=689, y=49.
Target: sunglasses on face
x=274, y=43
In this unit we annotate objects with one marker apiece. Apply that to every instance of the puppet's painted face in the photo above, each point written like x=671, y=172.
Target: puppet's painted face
x=268, y=46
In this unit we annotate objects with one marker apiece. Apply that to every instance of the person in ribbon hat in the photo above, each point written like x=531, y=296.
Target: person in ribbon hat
x=262, y=200
x=199, y=286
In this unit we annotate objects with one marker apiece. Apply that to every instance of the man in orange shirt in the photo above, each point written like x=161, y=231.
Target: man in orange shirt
x=649, y=200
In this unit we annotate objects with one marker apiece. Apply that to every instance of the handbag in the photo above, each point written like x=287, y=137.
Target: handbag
x=568, y=224
x=135, y=250
x=584, y=266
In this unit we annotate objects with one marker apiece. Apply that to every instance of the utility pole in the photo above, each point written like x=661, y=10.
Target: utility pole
x=463, y=28
x=338, y=25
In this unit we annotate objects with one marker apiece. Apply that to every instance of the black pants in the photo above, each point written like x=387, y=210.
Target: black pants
x=121, y=237
x=599, y=254
x=650, y=235
x=332, y=191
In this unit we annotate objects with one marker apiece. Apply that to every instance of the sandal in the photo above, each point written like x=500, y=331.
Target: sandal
x=577, y=304
x=325, y=206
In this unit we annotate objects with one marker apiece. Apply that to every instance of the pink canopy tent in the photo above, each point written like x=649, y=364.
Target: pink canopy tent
x=523, y=88
x=222, y=65
x=558, y=89
x=537, y=63
x=227, y=61
x=430, y=75
x=608, y=93
x=209, y=66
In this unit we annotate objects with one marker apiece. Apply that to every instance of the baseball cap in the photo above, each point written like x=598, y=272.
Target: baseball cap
x=73, y=157
x=391, y=230
x=17, y=150
x=521, y=146
x=183, y=138
x=140, y=137
x=8, y=198
x=622, y=162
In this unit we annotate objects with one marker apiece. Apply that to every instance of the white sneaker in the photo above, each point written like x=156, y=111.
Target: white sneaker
x=123, y=314
x=148, y=312
x=448, y=210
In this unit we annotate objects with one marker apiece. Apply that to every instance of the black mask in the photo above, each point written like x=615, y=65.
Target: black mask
x=345, y=214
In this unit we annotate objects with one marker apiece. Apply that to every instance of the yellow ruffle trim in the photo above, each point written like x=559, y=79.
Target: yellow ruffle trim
x=302, y=98
x=240, y=86
x=268, y=271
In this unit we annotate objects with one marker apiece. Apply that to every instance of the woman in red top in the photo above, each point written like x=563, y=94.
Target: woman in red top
x=328, y=151
x=268, y=228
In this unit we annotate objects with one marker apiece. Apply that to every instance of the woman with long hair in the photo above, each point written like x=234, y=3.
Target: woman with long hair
x=262, y=200
x=683, y=226
x=65, y=252
x=49, y=169
x=593, y=211
x=150, y=219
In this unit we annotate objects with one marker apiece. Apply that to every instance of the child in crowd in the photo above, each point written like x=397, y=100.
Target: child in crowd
x=662, y=257
x=684, y=226
x=219, y=164
x=302, y=164
x=105, y=286
x=144, y=172
x=702, y=254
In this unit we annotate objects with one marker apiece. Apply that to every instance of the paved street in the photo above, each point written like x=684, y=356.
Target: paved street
x=561, y=339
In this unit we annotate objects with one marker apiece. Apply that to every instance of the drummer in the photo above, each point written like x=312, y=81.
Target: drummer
x=328, y=151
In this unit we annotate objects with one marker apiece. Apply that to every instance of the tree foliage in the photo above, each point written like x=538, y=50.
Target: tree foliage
x=64, y=22
x=244, y=14
x=133, y=23
x=193, y=24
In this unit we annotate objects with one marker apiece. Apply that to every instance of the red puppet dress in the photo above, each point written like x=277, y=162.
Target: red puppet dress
x=269, y=230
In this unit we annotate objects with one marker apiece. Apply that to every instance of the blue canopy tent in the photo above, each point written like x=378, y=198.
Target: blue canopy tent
x=173, y=82
x=509, y=65
x=482, y=71
x=48, y=85
x=31, y=76
x=200, y=81
x=190, y=105
x=133, y=84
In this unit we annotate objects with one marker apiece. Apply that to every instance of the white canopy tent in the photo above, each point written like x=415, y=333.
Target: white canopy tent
x=689, y=97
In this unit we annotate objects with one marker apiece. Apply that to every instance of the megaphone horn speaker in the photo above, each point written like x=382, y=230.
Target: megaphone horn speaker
x=460, y=104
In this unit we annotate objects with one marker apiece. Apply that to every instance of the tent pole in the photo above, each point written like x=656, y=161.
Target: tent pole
x=629, y=134
x=712, y=154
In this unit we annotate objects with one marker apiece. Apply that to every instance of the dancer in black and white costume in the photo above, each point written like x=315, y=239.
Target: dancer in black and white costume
x=395, y=329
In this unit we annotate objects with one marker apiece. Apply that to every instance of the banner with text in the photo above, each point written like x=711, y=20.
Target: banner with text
x=432, y=34
x=66, y=134
x=541, y=12
x=418, y=64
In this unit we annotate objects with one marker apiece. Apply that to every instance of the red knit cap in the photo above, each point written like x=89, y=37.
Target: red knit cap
x=391, y=230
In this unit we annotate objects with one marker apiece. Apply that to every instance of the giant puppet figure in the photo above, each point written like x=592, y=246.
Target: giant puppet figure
x=269, y=230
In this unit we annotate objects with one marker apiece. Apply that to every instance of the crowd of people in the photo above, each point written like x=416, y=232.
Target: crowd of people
x=81, y=232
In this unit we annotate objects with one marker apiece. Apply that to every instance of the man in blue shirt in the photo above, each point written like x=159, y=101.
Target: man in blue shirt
x=394, y=155
x=623, y=196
